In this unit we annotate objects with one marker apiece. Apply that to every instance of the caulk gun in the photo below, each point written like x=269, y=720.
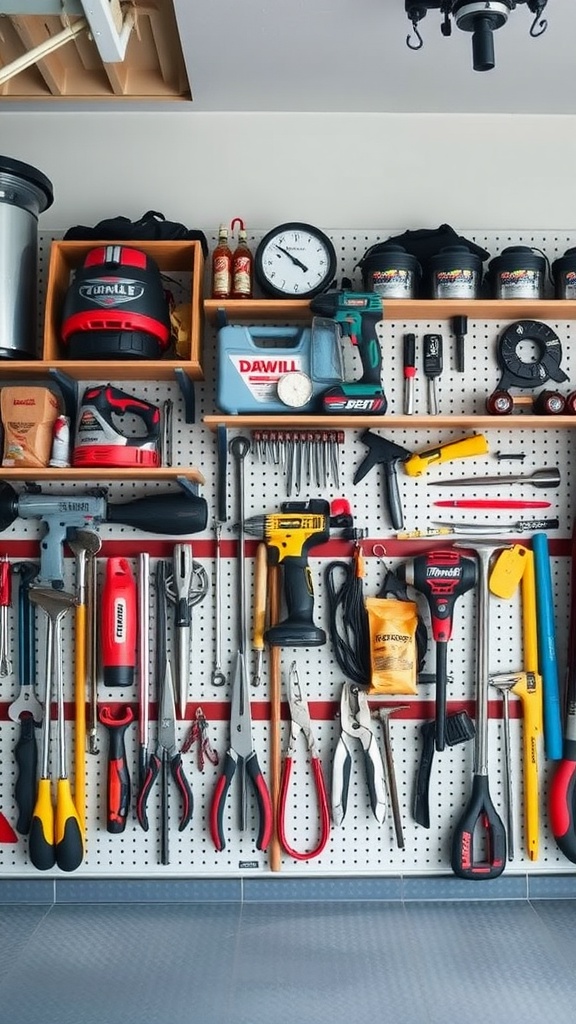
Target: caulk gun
x=173, y=514
x=357, y=313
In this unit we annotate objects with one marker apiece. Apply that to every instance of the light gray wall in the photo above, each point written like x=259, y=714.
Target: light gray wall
x=335, y=170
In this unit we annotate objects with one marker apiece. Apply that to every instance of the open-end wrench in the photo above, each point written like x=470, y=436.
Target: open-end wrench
x=383, y=716
x=186, y=584
x=26, y=708
x=218, y=675
x=239, y=448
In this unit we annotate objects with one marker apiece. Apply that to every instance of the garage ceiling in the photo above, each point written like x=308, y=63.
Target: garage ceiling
x=300, y=56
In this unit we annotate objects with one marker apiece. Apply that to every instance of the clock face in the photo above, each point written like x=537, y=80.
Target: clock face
x=295, y=261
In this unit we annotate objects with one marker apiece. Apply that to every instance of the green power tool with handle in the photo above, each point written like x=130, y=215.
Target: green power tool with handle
x=357, y=313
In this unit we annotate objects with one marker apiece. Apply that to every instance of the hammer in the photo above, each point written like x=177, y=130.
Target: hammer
x=382, y=452
x=525, y=685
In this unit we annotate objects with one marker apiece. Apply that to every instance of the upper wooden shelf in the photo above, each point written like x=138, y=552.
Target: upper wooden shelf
x=399, y=309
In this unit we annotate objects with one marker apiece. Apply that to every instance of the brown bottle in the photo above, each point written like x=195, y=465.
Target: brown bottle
x=222, y=266
x=242, y=264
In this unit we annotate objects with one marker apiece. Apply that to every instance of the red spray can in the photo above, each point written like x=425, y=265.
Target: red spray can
x=119, y=623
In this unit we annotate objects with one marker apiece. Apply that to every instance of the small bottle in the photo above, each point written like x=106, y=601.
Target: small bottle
x=242, y=264
x=222, y=266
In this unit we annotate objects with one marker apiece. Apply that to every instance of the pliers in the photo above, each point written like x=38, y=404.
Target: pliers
x=355, y=721
x=166, y=755
x=241, y=754
x=300, y=723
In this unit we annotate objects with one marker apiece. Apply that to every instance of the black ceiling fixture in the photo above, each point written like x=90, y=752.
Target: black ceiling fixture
x=480, y=17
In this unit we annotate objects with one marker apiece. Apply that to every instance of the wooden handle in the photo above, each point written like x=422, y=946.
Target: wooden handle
x=80, y=715
x=274, y=850
x=259, y=618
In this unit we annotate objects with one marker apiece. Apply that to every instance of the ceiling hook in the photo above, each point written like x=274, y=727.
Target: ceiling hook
x=420, y=42
x=543, y=24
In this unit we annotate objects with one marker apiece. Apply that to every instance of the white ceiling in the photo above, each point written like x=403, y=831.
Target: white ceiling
x=351, y=56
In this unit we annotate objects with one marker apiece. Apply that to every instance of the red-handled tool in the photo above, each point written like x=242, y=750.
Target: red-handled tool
x=119, y=623
x=562, y=798
x=5, y=602
x=409, y=369
x=240, y=754
x=490, y=503
x=300, y=723
x=116, y=721
x=442, y=577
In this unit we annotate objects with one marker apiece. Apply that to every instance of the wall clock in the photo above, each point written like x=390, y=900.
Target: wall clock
x=295, y=261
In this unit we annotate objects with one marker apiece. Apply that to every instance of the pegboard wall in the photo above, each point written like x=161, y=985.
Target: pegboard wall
x=360, y=845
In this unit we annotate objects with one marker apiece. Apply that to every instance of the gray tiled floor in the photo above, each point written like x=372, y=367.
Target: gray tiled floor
x=289, y=963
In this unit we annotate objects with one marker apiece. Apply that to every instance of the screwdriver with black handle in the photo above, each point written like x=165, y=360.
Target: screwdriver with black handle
x=460, y=329
x=433, y=366
x=562, y=797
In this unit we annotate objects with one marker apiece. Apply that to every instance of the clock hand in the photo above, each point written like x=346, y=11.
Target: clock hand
x=296, y=261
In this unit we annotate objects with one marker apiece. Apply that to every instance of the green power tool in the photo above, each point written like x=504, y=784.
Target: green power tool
x=357, y=313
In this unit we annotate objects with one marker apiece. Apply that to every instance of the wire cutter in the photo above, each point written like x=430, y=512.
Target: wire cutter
x=166, y=755
x=300, y=723
x=241, y=754
x=355, y=720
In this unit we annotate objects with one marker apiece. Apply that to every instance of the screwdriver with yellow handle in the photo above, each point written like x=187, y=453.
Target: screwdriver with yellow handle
x=517, y=563
x=55, y=835
x=259, y=617
x=466, y=447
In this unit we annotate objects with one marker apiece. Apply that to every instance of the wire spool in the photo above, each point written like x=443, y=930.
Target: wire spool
x=521, y=373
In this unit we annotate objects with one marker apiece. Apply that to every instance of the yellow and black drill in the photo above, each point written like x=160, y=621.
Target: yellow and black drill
x=289, y=535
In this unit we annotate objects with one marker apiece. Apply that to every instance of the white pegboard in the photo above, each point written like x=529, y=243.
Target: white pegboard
x=360, y=845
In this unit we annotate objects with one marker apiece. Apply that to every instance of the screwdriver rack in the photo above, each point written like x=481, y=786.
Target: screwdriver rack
x=360, y=846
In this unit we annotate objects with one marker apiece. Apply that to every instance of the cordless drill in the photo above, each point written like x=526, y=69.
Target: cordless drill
x=357, y=313
x=289, y=535
x=442, y=577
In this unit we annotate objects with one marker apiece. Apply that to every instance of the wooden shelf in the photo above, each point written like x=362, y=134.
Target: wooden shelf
x=472, y=422
x=88, y=369
x=399, y=309
x=185, y=257
x=103, y=474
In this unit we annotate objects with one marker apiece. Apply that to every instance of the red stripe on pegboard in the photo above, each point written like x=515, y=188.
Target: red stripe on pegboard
x=205, y=547
x=320, y=710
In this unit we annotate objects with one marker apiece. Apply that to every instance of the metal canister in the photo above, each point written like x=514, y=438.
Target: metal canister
x=517, y=273
x=564, y=274
x=390, y=271
x=24, y=194
x=455, y=273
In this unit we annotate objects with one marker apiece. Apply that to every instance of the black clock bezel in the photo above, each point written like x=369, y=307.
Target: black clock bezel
x=277, y=293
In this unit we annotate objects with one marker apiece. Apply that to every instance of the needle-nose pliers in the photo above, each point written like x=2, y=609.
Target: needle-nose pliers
x=300, y=723
x=355, y=722
x=166, y=756
x=241, y=755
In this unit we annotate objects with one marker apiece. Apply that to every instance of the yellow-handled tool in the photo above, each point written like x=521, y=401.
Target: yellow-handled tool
x=259, y=614
x=527, y=686
x=465, y=448
x=54, y=838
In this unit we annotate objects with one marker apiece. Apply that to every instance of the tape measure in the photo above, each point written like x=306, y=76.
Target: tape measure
x=520, y=373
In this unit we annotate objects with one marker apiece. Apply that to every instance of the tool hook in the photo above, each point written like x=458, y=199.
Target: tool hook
x=420, y=43
x=542, y=23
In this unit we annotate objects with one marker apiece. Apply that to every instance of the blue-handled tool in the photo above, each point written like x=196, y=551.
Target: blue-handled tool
x=547, y=648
